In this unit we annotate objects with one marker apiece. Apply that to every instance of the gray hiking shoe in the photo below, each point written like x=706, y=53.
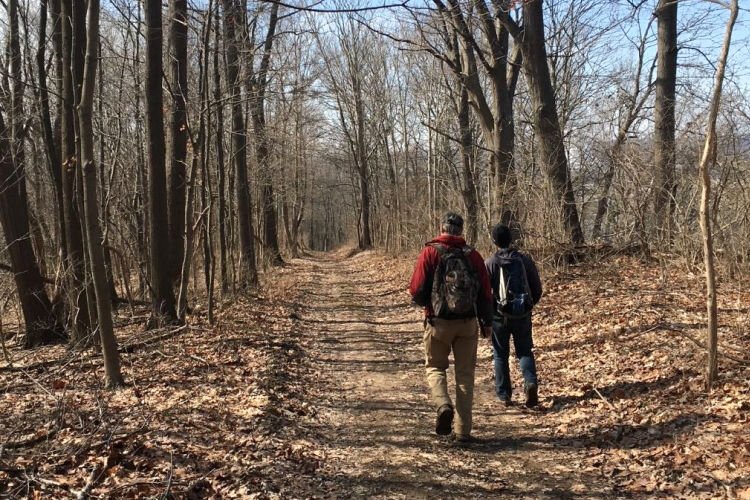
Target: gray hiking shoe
x=444, y=422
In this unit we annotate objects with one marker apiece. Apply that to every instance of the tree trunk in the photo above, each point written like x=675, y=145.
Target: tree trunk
x=35, y=305
x=362, y=167
x=178, y=132
x=51, y=147
x=469, y=188
x=262, y=150
x=79, y=322
x=495, y=119
x=545, y=117
x=220, y=165
x=77, y=60
x=93, y=229
x=708, y=160
x=248, y=274
x=41, y=326
x=664, y=117
x=198, y=144
x=161, y=282
x=603, y=204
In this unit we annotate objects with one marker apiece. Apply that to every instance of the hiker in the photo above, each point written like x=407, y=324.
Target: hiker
x=451, y=283
x=517, y=288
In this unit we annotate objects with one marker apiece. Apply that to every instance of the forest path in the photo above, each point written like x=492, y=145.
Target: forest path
x=374, y=421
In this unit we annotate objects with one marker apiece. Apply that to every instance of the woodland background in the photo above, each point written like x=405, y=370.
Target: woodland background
x=161, y=161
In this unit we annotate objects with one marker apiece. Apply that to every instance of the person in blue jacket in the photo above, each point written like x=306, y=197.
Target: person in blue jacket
x=504, y=326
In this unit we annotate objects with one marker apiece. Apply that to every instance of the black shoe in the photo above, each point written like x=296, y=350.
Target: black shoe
x=505, y=400
x=444, y=422
x=532, y=395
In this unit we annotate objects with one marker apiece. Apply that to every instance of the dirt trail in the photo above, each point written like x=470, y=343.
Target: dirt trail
x=375, y=423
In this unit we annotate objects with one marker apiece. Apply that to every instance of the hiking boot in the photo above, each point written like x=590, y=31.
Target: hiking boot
x=462, y=439
x=444, y=422
x=505, y=400
x=532, y=395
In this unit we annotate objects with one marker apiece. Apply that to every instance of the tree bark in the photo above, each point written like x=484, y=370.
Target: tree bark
x=161, y=282
x=469, y=188
x=51, y=147
x=262, y=149
x=41, y=326
x=495, y=118
x=178, y=32
x=220, y=165
x=248, y=273
x=708, y=160
x=93, y=229
x=40, y=323
x=544, y=109
x=79, y=322
x=362, y=163
x=664, y=117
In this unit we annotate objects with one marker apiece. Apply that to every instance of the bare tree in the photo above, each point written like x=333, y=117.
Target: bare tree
x=708, y=160
x=161, y=281
x=73, y=38
x=258, y=81
x=93, y=228
x=348, y=82
x=633, y=99
x=51, y=144
x=178, y=38
x=221, y=221
x=232, y=41
x=495, y=112
x=530, y=38
x=664, y=116
x=41, y=326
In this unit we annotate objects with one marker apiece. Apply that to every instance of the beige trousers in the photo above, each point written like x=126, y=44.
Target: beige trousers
x=459, y=336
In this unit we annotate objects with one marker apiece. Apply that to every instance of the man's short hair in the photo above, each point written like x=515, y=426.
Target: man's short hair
x=452, y=223
x=502, y=236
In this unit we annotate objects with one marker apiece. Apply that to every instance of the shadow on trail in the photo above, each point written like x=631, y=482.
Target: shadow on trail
x=378, y=366
x=524, y=484
x=620, y=390
x=625, y=436
x=356, y=321
x=377, y=423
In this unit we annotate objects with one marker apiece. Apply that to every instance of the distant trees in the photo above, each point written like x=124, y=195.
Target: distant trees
x=348, y=65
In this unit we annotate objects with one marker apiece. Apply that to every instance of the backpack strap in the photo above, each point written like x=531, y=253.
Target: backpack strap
x=439, y=247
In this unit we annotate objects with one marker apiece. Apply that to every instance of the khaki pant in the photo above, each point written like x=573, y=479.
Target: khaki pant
x=460, y=336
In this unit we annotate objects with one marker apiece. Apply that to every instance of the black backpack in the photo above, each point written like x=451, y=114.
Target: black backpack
x=513, y=292
x=455, y=285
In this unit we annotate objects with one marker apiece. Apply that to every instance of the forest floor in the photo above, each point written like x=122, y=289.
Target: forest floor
x=315, y=389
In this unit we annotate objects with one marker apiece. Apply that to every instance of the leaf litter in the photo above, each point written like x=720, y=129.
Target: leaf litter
x=314, y=389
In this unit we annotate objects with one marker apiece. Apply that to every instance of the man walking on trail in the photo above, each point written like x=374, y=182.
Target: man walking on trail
x=517, y=288
x=451, y=283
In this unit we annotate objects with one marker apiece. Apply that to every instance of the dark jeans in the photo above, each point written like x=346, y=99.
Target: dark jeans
x=520, y=330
